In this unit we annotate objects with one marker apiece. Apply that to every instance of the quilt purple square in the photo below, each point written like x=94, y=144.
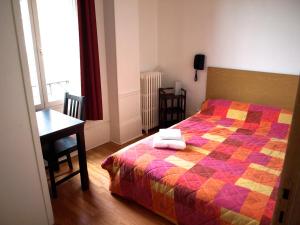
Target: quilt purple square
x=197, y=141
x=231, y=197
x=157, y=169
x=258, y=158
x=279, y=130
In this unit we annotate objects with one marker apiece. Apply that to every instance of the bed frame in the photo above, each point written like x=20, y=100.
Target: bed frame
x=255, y=87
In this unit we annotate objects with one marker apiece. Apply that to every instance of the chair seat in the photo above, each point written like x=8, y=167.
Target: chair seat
x=63, y=145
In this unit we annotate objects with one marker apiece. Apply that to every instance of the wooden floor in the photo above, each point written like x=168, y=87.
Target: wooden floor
x=97, y=206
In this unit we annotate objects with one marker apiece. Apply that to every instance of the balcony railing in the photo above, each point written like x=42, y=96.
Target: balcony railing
x=54, y=87
x=55, y=91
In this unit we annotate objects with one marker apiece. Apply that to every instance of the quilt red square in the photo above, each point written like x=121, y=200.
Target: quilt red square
x=219, y=155
x=254, y=116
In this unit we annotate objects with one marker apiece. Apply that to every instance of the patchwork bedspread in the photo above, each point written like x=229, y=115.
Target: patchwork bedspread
x=228, y=174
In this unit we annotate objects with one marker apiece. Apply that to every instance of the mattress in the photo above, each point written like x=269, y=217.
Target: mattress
x=228, y=174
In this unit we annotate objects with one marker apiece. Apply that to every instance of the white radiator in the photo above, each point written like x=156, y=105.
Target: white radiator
x=150, y=83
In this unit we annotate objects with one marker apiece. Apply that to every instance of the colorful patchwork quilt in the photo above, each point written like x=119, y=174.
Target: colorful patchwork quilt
x=228, y=174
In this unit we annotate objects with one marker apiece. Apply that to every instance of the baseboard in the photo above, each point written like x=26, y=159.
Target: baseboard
x=128, y=140
x=130, y=129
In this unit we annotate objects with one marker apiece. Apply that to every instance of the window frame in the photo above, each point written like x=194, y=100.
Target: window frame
x=38, y=54
x=35, y=49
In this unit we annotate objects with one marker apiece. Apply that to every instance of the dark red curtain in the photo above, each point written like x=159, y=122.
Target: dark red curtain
x=89, y=59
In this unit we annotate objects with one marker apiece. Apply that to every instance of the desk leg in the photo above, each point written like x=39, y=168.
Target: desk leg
x=52, y=179
x=84, y=176
x=52, y=165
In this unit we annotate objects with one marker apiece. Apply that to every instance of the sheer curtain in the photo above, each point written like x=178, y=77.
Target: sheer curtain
x=60, y=46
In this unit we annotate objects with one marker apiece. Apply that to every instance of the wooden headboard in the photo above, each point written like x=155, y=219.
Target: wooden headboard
x=255, y=87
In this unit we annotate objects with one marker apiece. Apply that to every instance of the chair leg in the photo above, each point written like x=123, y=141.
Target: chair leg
x=52, y=180
x=69, y=161
x=55, y=164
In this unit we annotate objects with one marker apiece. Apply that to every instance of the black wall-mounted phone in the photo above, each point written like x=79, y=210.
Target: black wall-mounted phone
x=198, y=64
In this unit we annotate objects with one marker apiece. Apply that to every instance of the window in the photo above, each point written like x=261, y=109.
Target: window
x=35, y=83
x=52, y=45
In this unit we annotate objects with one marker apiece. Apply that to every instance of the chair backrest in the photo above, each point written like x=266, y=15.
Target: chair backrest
x=74, y=106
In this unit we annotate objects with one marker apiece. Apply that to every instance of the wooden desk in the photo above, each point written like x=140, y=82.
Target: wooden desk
x=54, y=125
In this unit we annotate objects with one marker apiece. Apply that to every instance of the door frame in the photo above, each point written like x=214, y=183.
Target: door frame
x=31, y=110
x=288, y=199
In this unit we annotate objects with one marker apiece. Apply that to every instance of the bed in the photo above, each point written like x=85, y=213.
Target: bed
x=228, y=174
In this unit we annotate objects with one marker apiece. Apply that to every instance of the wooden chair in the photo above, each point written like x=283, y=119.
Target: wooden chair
x=73, y=106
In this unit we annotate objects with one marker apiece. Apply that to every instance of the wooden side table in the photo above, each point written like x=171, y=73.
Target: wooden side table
x=172, y=108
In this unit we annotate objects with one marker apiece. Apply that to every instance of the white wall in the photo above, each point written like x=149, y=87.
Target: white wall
x=123, y=66
x=23, y=192
x=148, y=15
x=128, y=68
x=249, y=34
x=111, y=62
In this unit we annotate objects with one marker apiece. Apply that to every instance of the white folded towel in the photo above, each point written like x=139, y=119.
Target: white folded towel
x=158, y=142
x=170, y=134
